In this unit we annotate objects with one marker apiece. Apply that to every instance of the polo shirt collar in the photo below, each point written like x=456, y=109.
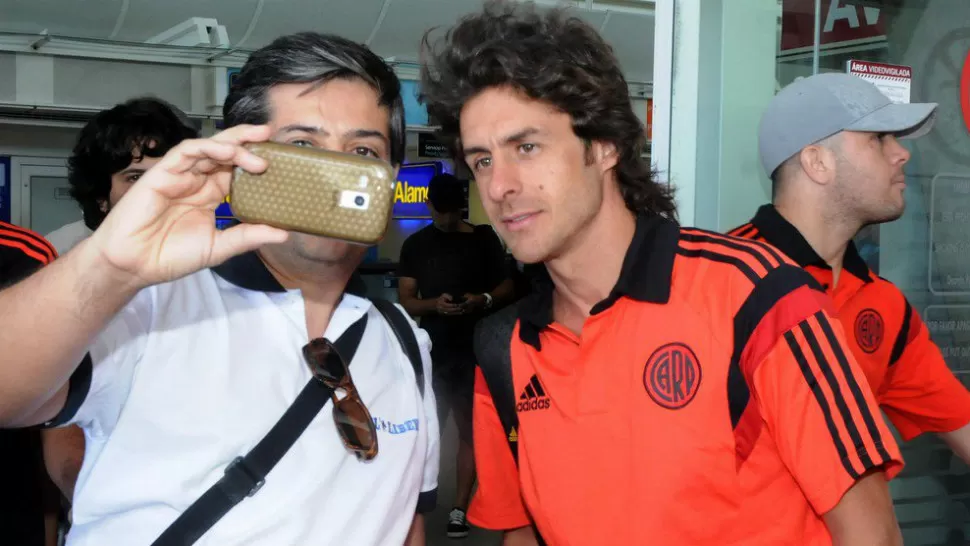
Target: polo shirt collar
x=249, y=272
x=645, y=276
x=781, y=234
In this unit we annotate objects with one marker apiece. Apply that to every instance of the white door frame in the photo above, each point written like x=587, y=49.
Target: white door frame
x=21, y=171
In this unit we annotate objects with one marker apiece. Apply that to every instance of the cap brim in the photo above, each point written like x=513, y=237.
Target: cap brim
x=902, y=120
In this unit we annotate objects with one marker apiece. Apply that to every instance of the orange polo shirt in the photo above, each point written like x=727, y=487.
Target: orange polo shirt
x=709, y=400
x=913, y=384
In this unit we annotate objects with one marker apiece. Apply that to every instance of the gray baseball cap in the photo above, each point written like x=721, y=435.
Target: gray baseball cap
x=814, y=108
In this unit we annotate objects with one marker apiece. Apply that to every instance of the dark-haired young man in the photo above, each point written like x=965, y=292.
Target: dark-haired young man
x=113, y=150
x=830, y=144
x=194, y=342
x=689, y=388
x=451, y=273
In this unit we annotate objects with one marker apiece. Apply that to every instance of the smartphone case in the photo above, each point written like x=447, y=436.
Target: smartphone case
x=319, y=192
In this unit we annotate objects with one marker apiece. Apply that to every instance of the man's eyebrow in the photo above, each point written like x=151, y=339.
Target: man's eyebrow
x=299, y=127
x=510, y=139
x=317, y=130
x=367, y=133
x=133, y=170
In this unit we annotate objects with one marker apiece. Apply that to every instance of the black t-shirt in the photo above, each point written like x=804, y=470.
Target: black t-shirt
x=453, y=263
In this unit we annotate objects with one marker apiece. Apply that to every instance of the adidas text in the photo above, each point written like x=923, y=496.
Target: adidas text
x=530, y=405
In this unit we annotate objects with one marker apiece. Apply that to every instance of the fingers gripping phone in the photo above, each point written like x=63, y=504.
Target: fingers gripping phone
x=319, y=192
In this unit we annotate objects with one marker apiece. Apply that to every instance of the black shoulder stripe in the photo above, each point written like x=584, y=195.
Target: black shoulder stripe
x=36, y=238
x=743, y=231
x=867, y=417
x=766, y=294
x=721, y=258
x=900, y=344
x=816, y=388
x=30, y=243
x=728, y=243
x=79, y=386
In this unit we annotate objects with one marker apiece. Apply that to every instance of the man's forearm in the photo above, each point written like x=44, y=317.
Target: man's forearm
x=416, y=536
x=503, y=293
x=959, y=442
x=417, y=307
x=48, y=321
x=63, y=457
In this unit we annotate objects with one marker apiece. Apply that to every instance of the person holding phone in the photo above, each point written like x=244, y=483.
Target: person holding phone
x=180, y=346
x=451, y=274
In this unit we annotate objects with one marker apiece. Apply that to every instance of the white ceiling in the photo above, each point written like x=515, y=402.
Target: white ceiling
x=627, y=24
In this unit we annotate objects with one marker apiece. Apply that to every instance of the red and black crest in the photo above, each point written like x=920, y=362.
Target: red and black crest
x=869, y=330
x=672, y=375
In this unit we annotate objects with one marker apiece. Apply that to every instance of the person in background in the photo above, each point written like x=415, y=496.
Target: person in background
x=113, y=150
x=670, y=385
x=831, y=145
x=180, y=346
x=29, y=501
x=451, y=274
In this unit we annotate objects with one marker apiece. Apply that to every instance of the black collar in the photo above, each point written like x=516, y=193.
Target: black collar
x=781, y=234
x=646, y=276
x=248, y=271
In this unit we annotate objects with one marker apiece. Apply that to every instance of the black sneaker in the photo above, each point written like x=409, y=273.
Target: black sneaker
x=457, y=526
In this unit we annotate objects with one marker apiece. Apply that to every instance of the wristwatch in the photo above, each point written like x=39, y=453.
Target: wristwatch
x=488, y=300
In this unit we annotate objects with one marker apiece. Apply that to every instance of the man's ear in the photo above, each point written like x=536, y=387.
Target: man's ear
x=818, y=162
x=604, y=154
x=103, y=205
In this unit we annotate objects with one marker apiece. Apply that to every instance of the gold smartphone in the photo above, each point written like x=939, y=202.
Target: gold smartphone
x=320, y=192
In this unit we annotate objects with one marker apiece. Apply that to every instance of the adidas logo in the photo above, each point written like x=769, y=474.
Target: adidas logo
x=533, y=397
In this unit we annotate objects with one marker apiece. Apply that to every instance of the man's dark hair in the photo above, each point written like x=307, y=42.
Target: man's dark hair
x=554, y=58
x=309, y=57
x=140, y=127
x=445, y=193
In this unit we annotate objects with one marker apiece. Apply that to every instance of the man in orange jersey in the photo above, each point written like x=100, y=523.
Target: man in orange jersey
x=667, y=385
x=21, y=252
x=830, y=144
x=28, y=500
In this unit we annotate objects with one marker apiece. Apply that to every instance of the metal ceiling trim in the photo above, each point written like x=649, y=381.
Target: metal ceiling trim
x=637, y=7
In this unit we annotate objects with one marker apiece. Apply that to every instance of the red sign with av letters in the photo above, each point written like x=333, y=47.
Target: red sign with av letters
x=841, y=21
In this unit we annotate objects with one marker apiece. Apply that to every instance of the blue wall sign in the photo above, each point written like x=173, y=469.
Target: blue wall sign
x=411, y=191
x=5, y=183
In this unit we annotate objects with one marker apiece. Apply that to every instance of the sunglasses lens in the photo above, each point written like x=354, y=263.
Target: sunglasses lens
x=324, y=362
x=356, y=427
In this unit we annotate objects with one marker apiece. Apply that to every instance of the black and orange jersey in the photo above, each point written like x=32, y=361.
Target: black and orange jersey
x=907, y=372
x=22, y=251
x=708, y=400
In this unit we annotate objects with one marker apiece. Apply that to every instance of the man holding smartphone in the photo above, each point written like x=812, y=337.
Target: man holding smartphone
x=179, y=346
x=451, y=274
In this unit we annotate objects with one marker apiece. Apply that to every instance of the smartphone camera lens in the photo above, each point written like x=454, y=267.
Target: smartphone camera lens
x=359, y=200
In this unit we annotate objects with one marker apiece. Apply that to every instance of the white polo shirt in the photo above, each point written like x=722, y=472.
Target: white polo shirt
x=68, y=236
x=193, y=373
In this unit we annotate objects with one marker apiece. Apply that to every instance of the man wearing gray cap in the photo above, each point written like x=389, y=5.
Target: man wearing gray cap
x=830, y=144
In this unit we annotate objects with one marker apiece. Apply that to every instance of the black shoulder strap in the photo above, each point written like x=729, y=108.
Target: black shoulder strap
x=405, y=336
x=244, y=476
x=493, y=351
x=493, y=337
